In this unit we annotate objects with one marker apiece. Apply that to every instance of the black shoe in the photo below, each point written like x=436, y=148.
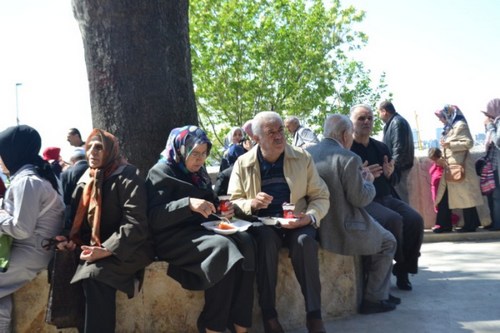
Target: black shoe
x=394, y=300
x=403, y=282
x=273, y=326
x=368, y=307
x=465, y=230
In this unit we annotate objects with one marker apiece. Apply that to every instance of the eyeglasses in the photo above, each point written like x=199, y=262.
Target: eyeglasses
x=363, y=119
x=280, y=131
x=196, y=154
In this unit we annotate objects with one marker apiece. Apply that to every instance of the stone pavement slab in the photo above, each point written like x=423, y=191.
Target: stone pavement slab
x=457, y=290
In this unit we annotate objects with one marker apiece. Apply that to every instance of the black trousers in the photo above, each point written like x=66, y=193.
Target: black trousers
x=229, y=301
x=100, y=307
x=443, y=216
x=303, y=251
x=407, y=226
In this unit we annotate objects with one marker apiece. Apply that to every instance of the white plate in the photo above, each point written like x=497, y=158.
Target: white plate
x=277, y=220
x=239, y=225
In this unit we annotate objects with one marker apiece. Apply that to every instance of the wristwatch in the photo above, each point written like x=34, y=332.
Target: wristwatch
x=314, y=223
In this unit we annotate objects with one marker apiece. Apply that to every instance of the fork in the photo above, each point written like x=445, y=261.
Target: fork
x=222, y=218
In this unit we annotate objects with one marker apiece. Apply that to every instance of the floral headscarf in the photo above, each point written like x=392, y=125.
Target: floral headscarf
x=180, y=144
x=452, y=114
x=90, y=204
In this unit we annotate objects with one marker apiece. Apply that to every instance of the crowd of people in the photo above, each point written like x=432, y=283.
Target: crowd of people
x=349, y=192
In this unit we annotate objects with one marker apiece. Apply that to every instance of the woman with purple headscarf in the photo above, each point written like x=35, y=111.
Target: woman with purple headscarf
x=456, y=142
x=181, y=198
x=492, y=126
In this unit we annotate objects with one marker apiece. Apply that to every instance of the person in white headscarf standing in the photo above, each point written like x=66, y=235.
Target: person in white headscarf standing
x=465, y=194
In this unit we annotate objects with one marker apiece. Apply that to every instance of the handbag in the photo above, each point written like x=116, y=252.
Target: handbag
x=66, y=304
x=486, y=173
x=454, y=172
x=5, y=245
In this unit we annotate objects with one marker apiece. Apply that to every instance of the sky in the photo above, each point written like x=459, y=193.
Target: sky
x=434, y=52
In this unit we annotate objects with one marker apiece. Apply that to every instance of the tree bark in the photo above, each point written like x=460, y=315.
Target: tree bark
x=139, y=69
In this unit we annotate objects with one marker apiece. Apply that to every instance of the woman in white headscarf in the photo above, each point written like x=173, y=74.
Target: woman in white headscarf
x=465, y=194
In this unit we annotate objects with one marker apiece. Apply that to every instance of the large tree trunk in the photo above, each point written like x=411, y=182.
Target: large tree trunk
x=139, y=70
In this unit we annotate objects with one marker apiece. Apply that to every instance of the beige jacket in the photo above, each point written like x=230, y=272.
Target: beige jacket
x=464, y=194
x=307, y=190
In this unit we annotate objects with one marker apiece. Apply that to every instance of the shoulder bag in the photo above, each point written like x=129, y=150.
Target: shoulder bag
x=455, y=172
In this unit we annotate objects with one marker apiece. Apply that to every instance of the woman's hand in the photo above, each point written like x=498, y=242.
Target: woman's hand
x=93, y=253
x=229, y=212
x=201, y=206
x=64, y=244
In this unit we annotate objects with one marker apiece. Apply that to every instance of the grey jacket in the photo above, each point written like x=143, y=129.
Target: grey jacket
x=347, y=228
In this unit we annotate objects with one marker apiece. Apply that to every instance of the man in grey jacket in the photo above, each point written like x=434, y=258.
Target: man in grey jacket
x=399, y=138
x=347, y=229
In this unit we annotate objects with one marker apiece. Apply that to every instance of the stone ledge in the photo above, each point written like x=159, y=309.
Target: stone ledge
x=163, y=306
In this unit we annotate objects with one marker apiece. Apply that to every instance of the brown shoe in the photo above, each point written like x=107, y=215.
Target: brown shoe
x=315, y=326
x=273, y=326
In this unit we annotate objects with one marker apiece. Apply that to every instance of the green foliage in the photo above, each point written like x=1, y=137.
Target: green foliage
x=289, y=56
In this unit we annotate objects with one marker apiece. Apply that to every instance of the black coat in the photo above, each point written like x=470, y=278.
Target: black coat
x=198, y=258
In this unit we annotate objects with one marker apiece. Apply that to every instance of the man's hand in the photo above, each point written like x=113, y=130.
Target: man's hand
x=302, y=221
x=262, y=200
x=375, y=169
x=388, y=167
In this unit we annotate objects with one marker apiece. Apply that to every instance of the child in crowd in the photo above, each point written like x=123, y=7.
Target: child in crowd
x=436, y=172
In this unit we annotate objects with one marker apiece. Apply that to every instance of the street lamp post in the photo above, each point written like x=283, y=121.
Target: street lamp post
x=17, y=103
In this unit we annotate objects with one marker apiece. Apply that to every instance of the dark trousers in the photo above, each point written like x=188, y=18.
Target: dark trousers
x=406, y=225
x=494, y=205
x=229, y=301
x=303, y=252
x=443, y=216
x=100, y=307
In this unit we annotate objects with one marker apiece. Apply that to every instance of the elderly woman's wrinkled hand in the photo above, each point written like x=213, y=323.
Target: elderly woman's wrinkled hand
x=63, y=244
x=93, y=253
x=201, y=206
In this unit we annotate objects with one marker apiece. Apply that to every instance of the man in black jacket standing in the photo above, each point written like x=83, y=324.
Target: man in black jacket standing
x=399, y=138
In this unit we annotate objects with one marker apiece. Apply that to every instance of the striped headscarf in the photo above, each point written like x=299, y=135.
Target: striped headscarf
x=452, y=114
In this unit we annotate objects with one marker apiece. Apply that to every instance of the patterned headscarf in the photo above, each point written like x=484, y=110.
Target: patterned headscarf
x=90, y=204
x=493, y=108
x=452, y=114
x=180, y=144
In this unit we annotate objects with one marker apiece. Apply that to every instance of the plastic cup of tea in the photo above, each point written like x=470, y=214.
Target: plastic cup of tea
x=224, y=203
x=288, y=210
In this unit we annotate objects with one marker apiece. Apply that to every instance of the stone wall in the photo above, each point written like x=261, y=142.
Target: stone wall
x=163, y=306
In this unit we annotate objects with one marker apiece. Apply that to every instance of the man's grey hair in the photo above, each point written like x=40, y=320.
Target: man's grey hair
x=364, y=106
x=264, y=117
x=293, y=120
x=336, y=125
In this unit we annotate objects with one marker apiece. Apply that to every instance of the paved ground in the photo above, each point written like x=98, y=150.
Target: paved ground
x=457, y=290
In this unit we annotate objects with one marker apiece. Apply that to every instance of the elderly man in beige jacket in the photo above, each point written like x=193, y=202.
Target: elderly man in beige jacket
x=269, y=175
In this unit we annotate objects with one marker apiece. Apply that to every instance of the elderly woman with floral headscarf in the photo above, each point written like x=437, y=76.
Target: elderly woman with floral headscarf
x=31, y=211
x=109, y=230
x=492, y=126
x=180, y=199
x=465, y=194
